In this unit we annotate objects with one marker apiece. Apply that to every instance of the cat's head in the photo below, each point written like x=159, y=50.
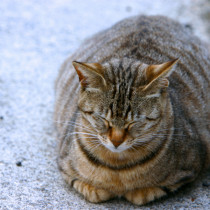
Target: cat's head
x=123, y=101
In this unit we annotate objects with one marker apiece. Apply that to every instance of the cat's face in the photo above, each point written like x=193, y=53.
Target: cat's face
x=120, y=132
x=121, y=102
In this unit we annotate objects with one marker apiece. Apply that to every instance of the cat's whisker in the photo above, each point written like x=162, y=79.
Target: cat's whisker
x=145, y=145
x=92, y=148
x=163, y=135
x=79, y=126
x=90, y=134
x=133, y=147
x=73, y=123
x=81, y=129
x=73, y=133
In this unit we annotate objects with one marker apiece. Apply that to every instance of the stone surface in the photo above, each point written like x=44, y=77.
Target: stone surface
x=35, y=37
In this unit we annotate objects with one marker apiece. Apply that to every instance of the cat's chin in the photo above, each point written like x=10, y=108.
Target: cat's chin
x=115, y=150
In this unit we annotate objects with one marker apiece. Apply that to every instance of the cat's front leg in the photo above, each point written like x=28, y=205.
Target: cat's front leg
x=144, y=195
x=91, y=193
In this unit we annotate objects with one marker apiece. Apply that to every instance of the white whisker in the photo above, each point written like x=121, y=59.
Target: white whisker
x=90, y=134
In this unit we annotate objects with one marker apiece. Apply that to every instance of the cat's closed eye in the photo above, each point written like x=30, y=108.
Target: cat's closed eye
x=107, y=124
x=154, y=115
x=129, y=125
x=88, y=112
x=153, y=118
x=97, y=121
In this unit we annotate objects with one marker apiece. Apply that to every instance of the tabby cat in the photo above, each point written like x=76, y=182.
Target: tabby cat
x=132, y=111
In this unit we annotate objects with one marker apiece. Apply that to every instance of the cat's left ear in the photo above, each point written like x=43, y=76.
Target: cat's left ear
x=156, y=75
x=91, y=75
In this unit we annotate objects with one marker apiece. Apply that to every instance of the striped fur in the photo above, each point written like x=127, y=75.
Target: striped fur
x=131, y=123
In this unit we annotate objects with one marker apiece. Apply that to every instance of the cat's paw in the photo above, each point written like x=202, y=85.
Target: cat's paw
x=91, y=193
x=143, y=196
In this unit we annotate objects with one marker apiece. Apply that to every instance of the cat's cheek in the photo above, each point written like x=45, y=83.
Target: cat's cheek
x=139, y=130
x=135, y=132
x=103, y=139
x=87, y=117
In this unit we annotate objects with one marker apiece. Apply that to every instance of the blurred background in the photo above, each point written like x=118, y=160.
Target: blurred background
x=35, y=37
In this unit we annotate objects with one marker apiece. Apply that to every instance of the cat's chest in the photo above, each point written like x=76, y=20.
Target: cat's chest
x=118, y=181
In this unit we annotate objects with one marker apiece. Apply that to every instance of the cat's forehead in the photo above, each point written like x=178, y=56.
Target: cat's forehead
x=122, y=64
x=123, y=75
x=125, y=72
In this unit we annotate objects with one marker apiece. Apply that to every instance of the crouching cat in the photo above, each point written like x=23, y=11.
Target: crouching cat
x=132, y=111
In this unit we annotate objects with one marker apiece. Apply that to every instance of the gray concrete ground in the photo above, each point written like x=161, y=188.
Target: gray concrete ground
x=35, y=37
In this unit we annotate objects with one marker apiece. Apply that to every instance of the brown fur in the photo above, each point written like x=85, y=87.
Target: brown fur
x=138, y=124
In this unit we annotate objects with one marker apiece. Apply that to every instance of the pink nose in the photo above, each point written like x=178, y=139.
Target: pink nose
x=117, y=136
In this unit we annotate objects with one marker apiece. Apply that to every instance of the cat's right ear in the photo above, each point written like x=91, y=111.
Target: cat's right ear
x=91, y=75
x=156, y=75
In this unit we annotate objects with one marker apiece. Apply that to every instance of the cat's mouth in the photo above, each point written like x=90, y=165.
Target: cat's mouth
x=112, y=148
x=107, y=143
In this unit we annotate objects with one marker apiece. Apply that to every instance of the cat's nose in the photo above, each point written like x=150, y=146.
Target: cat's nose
x=117, y=136
x=116, y=143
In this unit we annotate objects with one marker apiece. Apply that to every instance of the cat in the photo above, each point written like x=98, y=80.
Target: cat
x=132, y=111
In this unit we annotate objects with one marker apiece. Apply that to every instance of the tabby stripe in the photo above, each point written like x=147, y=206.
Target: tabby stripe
x=64, y=172
x=111, y=109
x=160, y=50
x=119, y=71
x=177, y=80
x=68, y=83
x=113, y=78
x=73, y=181
x=166, y=190
x=146, y=58
x=67, y=102
x=66, y=78
x=135, y=75
x=189, y=57
x=108, y=44
x=127, y=111
x=130, y=93
x=68, y=129
x=95, y=45
x=191, y=79
x=60, y=168
x=185, y=179
x=115, y=89
x=128, y=71
x=195, y=59
x=190, y=74
x=61, y=71
x=91, y=43
x=86, y=153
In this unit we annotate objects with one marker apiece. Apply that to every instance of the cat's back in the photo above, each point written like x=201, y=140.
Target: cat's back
x=147, y=38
